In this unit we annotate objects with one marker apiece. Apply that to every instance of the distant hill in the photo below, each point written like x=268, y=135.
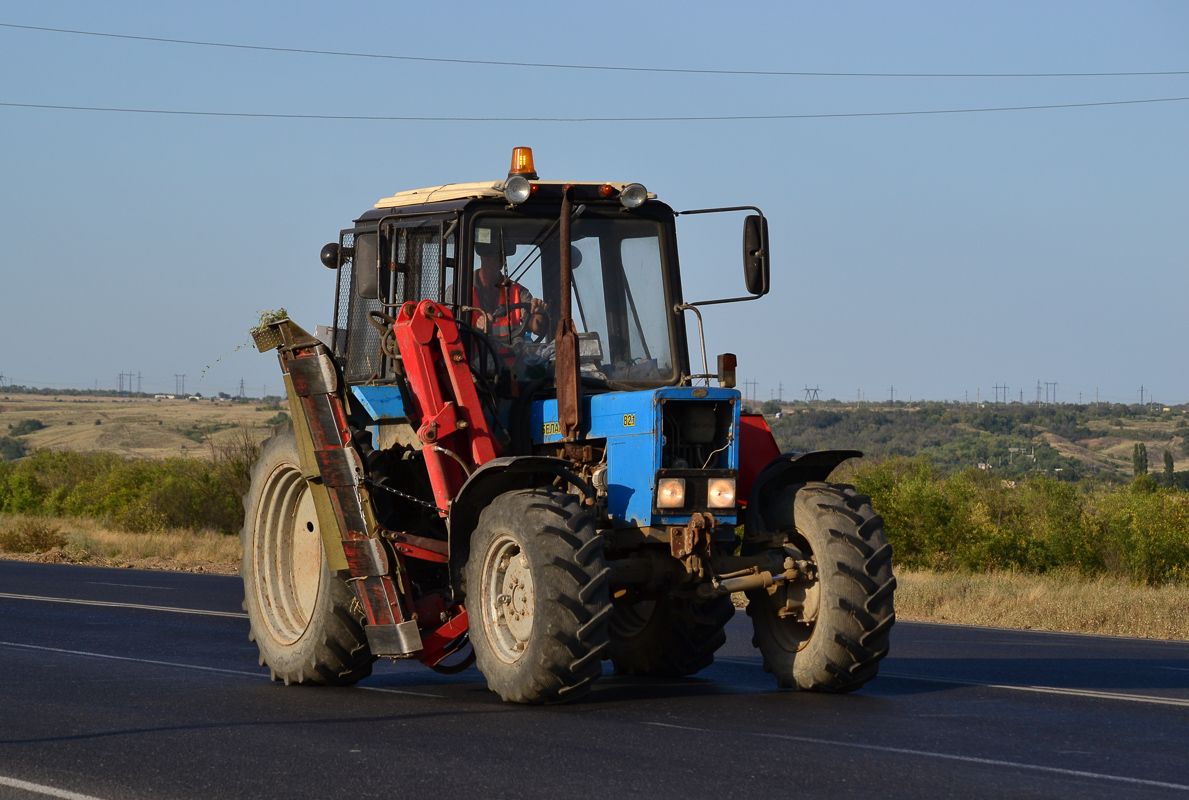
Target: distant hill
x=132, y=427
x=1013, y=439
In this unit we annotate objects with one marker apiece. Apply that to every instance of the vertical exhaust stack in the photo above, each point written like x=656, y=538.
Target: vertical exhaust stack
x=569, y=386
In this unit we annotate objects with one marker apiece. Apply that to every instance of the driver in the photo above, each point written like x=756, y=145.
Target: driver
x=491, y=295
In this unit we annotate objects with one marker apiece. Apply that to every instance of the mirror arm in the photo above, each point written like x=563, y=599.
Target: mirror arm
x=701, y=335
x=727, y=300
x=718, y=210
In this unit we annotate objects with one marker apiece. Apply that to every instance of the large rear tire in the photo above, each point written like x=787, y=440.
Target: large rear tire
x=668, y=637
x=838, y=650
x=537, y=597
x=305, y=620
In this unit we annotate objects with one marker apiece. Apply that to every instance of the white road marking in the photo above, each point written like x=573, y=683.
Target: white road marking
x=193, y=666
x=38, y=788
x=400, y=691
x=235, y=614
x=131, y=585
x=992, y=762
x=133, y=660
x=1131, y=698
x=1177, y=669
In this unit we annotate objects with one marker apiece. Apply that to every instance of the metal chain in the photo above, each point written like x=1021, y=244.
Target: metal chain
x=401, y=494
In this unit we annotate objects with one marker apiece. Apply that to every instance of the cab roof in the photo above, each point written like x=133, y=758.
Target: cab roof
x=464, y=191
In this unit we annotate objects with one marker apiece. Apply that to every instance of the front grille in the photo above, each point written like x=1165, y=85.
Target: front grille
x=690, y=443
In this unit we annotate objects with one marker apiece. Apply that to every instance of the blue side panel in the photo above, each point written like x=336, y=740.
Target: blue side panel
x=604, y=416
x=381, y=402
x=631, y=477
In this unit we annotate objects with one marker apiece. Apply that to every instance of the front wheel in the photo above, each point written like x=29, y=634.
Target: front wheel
x=303, y=618
x=537, y=597
x=828, y=634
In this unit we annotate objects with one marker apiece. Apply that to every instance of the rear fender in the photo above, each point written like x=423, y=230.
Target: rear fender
x=494, y=478
x=787, y=469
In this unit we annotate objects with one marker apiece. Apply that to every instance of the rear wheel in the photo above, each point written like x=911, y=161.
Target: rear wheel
x=301, y=616
x=537, y=597
x=829, y=634
x=668, y=637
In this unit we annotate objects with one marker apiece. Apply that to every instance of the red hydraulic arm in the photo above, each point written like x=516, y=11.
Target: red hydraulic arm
x=453, y=429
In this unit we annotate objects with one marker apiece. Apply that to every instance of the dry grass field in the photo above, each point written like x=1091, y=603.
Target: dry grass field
x=1053, y=602
x=140, y=428
x=77, y=540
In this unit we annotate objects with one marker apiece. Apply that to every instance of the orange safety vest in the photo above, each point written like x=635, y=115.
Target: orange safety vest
x=501, y=327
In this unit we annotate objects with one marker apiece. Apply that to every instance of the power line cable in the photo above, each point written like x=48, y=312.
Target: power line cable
x=595, y=67
x=723, y=118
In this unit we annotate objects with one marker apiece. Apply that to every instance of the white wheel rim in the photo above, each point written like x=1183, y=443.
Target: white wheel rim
x=287, y=554
x=509, y=599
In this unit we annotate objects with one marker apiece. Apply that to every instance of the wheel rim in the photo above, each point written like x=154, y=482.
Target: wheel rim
x=792, y=633
x=509, y=600
x=287, y=555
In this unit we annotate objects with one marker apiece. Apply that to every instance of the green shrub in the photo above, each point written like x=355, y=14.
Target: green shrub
x=31, y=536
x=11, y=449
x=135, y=495
x=27, y=426
x=977, y=521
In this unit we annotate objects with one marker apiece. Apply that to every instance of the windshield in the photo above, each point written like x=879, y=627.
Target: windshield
x=618, y=302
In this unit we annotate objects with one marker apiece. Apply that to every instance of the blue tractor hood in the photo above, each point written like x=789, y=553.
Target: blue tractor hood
x=631, y=424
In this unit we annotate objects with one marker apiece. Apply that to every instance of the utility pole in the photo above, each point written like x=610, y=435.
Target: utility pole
x=892, y=395
x=1141, y=394
x=1038, y=391
x=241, y=393
x=780, y=392
x=137, y=381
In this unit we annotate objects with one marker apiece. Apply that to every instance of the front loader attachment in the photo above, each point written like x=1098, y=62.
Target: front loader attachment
x=334, y=471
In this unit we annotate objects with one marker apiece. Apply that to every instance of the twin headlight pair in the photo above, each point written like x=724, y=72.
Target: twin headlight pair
x=720, y=493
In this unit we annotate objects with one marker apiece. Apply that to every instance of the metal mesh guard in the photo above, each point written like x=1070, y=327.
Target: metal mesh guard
x=267, y=338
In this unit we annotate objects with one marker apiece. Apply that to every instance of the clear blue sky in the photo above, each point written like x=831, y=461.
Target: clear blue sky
x=937, y=254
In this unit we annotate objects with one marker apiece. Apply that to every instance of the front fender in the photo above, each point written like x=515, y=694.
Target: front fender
x=494, y=478
x=787, y=469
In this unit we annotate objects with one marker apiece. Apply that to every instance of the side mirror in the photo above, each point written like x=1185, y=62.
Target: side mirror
x=755, y=254
x=330, y=256
x=367, y=266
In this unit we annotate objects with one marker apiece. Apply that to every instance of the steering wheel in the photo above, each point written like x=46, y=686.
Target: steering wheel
x=515, y=332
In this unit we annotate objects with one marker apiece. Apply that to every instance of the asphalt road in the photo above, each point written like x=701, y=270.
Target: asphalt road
x=122, y=695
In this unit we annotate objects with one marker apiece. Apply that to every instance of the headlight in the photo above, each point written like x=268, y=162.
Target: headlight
x=633, y=195
x=517, y=189
x=721, y=493
x=670, y=493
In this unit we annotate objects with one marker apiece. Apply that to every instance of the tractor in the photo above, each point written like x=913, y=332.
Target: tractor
x=500, y=455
